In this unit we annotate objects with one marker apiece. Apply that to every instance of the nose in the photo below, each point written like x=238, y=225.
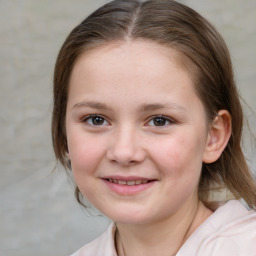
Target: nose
x=125, y=147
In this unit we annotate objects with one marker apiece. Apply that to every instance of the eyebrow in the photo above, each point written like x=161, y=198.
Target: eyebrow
x=92, y=104
x=152, y=107
x=143, y=108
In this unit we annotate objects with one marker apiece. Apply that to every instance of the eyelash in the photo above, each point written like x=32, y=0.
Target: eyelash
x=164, y=118
x=152, y=119
x=87, y=118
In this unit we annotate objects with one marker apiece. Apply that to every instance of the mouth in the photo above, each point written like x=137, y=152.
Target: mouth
x=128, y=186
x=128, y=182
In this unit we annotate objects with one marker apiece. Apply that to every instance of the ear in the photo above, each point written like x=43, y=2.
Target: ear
x=218, y=136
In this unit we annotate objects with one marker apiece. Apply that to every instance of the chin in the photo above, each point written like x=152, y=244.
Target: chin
x=130, y=216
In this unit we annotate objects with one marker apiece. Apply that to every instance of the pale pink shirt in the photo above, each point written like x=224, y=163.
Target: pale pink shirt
x=229, y=231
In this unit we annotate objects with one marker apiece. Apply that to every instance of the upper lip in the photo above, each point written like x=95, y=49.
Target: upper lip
x=126, y=178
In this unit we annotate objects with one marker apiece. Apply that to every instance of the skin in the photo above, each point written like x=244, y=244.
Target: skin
x=128, y=86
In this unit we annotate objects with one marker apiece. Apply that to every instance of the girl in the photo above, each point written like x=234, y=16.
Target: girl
x=147, y=116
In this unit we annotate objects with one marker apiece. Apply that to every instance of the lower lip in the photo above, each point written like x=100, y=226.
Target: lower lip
x=127, y=190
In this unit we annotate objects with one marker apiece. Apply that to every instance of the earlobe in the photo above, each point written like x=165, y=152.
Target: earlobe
x=218, y=136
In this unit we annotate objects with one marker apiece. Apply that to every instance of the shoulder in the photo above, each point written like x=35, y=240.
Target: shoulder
x=230, y=230
x=104, y=245
x=235, y=232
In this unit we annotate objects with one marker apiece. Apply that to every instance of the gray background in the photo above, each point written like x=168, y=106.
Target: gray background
x=38, y=212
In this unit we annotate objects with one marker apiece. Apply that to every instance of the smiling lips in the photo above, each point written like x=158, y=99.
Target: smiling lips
x=128, y=186
x=129, y=183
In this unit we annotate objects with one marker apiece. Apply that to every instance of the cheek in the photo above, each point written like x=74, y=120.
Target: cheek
x=85, y=153
x=180, y=154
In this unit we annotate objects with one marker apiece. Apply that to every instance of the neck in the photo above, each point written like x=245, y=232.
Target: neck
x=163, y=237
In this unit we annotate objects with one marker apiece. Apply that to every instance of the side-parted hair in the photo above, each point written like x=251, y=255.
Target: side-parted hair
x=202, y=51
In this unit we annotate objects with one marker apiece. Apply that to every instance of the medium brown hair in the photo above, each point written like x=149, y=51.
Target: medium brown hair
x=205, y=56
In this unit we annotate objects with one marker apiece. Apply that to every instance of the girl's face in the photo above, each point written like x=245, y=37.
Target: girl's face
x=136, y=131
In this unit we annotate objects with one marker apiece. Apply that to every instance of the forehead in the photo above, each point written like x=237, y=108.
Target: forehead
x=135, y=71
x=132, y=59
x=134, y=52
x=110, y=53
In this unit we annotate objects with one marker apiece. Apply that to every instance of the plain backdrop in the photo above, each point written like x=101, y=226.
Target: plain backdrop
x=38, y=212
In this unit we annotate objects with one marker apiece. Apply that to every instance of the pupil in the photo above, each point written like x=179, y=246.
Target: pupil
x=159, y=121
x=98, y=120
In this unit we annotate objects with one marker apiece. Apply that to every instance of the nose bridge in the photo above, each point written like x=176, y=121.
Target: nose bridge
x=125, y=147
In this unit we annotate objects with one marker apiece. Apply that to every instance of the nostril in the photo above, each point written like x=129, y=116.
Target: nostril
x=125, y=163
x=124, y=150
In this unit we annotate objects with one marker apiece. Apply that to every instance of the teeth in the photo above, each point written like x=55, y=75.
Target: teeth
x=129, y=183
x=121, y=182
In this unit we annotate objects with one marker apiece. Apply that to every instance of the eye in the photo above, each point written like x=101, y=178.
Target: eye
x=95, y=120
x=160, y=121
